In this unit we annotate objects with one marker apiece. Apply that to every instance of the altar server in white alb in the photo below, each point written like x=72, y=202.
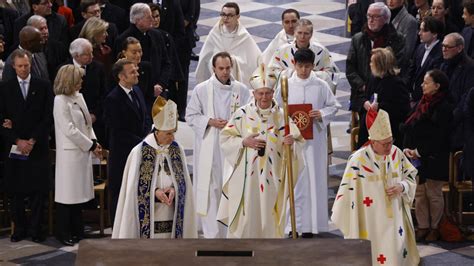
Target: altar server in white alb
x=311, y=191
x=283, y=60
x=289, y=18
x=156, y=197
x=212, y=104
x=229, y=35
x=255, y=191
x=374, y=199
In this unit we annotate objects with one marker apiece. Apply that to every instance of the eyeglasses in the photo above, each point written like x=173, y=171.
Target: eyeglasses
x=374, y=17
x=447, y=47
x=224, y=15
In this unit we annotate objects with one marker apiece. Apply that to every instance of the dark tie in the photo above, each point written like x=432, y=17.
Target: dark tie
x=135, y=101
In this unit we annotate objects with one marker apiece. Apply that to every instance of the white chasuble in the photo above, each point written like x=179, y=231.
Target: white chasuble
x=362, y=209
x=283, y=61
x=239, y=44
x=311, y=191
x=280, y=39
x=139, y=214
x=255, y=192
x=211, y=99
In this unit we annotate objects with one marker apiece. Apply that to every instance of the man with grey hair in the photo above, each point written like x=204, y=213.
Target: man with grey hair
x=459, y=68
x=151, y=40
x=378, y=32
x=324, y=66
x=54, y=51
x=94, y=83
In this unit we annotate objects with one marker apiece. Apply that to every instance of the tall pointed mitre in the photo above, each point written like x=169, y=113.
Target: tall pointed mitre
x=378, y=124
x=263, y=77
x=164, y=113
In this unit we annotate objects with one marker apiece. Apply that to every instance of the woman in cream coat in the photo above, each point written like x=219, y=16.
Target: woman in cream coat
x=75, y=141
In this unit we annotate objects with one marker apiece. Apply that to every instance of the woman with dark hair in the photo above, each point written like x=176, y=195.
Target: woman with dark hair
x=440, y=10
x=427, y=144
x=132, y=50
x=386, y=90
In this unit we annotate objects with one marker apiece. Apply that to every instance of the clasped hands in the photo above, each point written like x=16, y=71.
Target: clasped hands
x=165, y=195
x=217, y=122
x=253, y=142
x=25, y=146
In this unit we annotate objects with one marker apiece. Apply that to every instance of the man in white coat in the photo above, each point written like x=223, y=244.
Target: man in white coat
x=311, y=191
x=156, y=196
x=289, y=17
x=212, y=104
x=229, y=35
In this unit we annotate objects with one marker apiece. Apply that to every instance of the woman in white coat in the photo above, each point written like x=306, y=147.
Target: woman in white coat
x=75, y=141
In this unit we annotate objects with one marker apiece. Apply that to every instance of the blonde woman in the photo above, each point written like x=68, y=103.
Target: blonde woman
x=75, y=143
x=386, y=90
x=95, y=30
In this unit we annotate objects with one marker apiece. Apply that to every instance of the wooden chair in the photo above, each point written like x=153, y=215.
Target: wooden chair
x=99, y=189
x=354, y=138
x=461, y=187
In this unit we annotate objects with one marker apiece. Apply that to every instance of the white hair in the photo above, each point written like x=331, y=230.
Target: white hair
x=78, y=46
x=137, y=11
x=34, y=20
x=384, y=8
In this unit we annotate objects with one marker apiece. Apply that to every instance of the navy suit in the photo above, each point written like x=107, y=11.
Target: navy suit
x=126, y=126
x=417, y=71
x=467, y=35
x=31, y=119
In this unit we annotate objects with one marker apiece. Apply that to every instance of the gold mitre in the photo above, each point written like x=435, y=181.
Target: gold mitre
x=164, y=113
x=378, y=125
x=263, y=77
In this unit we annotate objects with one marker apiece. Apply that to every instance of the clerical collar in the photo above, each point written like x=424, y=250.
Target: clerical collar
x=290, y=38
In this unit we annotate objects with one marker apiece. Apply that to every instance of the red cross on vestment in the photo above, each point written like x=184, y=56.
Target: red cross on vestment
x=381, y=259
x=367, y=201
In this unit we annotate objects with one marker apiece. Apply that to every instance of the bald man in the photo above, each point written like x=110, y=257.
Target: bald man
x=32, y=41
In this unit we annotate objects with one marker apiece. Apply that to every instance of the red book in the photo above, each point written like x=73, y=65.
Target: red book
x=299, y=113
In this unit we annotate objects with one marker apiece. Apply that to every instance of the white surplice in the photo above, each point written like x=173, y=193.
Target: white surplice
x=127, y=223
x=311, y=191
x=239, y=44
x=211, y=99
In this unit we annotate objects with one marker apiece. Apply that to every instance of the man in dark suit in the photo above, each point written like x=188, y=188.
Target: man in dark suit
x=55, y=53
x=127, y=123
x=89, y=9
x=7, y=19
x=151, y=40
x=427, y=55
x=467, y=32
x=115, y=14
x=94, y=83
x=30, y=40
x=26, y=111
x=57, y=24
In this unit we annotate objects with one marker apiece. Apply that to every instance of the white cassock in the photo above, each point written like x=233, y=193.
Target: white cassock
x=211, y=99
x=280, y=39
x=283, y=61
x=150, y=166
x=255, y=191
x=311, y=191
x=239, y=44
